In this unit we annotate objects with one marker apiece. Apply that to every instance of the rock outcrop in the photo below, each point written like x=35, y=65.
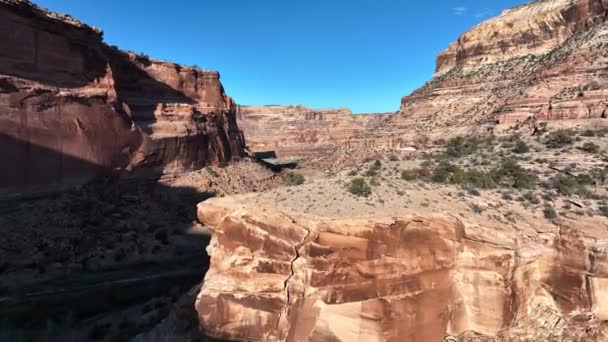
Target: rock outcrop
x=284, y=276
x=301, y=131
x=72, y=107
x=545, y=61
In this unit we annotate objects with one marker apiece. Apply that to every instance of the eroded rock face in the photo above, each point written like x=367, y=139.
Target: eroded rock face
x=72, y=107
x=544, y=61
x=301, y=131
x=278, y=276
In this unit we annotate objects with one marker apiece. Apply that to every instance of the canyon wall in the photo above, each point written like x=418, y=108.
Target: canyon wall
x=285, y=276
x=302, y=131
x=72, y=107
x=545, y=61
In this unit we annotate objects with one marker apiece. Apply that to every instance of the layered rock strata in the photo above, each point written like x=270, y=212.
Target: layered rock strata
x=302, y=131
x=545, y=61
x=284, y=276
x=72, y=107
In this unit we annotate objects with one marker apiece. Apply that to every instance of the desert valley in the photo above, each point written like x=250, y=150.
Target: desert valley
x=140, y=202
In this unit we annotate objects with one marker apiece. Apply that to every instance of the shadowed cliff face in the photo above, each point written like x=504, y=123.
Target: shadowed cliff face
x=544, y=61
x=285, y=276
x=63, y=89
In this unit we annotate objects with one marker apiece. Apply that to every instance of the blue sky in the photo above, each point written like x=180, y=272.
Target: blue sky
x=361, y=54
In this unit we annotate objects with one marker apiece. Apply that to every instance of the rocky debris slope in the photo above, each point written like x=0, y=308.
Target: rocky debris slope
x=301, y=131
x=542, y=61
x=279, y=275
x=74, y=107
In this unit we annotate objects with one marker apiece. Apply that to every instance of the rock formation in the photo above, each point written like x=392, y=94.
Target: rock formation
x=283, y=276
x=301, y=131
x=545, y=61
x=72, y=107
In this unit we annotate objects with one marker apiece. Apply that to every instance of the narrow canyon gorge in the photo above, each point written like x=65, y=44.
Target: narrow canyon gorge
x=135, y=204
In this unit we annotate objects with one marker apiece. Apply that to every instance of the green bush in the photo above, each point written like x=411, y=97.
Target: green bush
x=211, y=171
x=510, y=173
x=559, y=138
x=463, y=146
x=409, y=175
x=549, y=213
x=521, y=147
x=292, y=179
x=359, y=187
x=371, y=172
x=589, y=147
x=568, y=185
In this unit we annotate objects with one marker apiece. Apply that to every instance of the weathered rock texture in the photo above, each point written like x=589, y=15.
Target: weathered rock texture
x=278, y=276
x=72, y=107
x=542, y=61
x=301, y=131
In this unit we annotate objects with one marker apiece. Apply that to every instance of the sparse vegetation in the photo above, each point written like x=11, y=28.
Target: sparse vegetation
x=521, y=147
x=549, y=213
x=293, y=179
x=359, y=187
x=589, y=147
x=211, y=171
x=559, y=139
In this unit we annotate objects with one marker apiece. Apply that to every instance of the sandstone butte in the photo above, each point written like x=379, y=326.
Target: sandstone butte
x=75, y=107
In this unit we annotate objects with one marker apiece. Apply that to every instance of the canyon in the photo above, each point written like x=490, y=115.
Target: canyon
x=477, y=212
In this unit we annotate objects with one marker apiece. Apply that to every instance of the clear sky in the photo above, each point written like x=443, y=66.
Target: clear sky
x=361, y=54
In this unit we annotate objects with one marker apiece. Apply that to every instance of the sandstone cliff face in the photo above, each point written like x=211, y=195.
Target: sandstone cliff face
x=72, y=107
x=542, y=61
x=278, y=276
x=301, y=131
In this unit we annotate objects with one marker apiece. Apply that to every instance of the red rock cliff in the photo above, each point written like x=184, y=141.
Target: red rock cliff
x=543, y=61
x=72, y=107
x=287, y=276
x=302, y=131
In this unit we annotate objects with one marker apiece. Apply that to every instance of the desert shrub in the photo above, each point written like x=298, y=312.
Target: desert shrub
x=559, y=139
x=599, y=176
x=211, y=171
x=445, y=171
x=521, y=147
x=377, y=165
x=476, y=208
x=371, y=172
x=568, y=185
x=409, y=175
x=462, y=146
x=374, y=181
x=359, y=187
x=353, y=173
x=589, y=147
x=393, y=158
x=510, y=173
x=292, y=179
x=531, y=197
x=549, y=213
x=480, y=179
x=604, y=210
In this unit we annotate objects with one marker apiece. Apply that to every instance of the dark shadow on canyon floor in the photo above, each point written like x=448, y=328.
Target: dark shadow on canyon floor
x=105, y=259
